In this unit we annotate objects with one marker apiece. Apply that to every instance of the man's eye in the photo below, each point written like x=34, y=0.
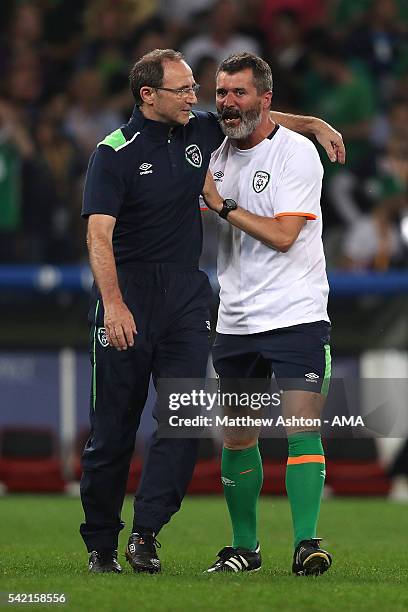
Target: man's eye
x=240, y=92
x=221, y=93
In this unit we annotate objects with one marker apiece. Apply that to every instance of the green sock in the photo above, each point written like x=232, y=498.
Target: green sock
x=242, y=476
x=305, y=474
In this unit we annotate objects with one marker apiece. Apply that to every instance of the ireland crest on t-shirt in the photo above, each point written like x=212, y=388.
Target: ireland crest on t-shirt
x=260, y=180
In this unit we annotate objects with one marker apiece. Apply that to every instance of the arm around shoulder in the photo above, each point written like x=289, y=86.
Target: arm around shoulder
x=326, y=135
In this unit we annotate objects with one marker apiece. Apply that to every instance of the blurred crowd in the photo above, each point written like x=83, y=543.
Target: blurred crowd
x=64, y=86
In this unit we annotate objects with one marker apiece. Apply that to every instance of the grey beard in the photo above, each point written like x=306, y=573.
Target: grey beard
x=249, y=122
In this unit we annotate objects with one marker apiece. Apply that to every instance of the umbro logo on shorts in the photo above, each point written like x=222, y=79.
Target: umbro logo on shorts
x=145, y=168
x=312, y=377
x=218, y=176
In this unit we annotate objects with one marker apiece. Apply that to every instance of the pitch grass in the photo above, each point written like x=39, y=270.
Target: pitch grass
x=41, y=552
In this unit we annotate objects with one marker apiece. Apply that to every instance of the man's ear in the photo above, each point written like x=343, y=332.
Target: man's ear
x=147, y=95
x=268, y=100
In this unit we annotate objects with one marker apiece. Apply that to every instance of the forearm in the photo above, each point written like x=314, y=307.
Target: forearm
x=267, y=230
x=326, y=135
x=297, y=123
x=276, y=233
x=104, y=267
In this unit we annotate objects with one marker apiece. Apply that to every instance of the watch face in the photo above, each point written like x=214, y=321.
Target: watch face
x=227, y=206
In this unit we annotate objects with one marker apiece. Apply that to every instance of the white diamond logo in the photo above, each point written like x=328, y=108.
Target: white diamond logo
x=145, y=168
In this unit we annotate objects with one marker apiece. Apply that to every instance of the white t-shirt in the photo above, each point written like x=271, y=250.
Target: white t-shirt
x=263, y=289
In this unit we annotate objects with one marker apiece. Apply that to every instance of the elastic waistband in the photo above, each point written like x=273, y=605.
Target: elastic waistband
x=157, y=267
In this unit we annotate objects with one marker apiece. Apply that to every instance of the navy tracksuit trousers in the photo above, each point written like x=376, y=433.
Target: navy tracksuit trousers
x=170, y=305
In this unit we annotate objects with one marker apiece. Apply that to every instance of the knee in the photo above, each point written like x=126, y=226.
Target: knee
x=108, y=448
x=232, y=443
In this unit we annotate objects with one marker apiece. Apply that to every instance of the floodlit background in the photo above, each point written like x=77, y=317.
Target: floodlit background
x=64, y=85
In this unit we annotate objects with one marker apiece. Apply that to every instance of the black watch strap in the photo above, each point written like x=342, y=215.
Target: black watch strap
x=227, y=206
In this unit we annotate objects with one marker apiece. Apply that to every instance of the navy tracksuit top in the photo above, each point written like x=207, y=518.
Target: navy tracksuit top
x=149, y=175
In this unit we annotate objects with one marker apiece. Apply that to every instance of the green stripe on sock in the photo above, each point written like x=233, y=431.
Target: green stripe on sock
x=94, y=358
x=242, y=477
x=327, y=370
x=304, y=484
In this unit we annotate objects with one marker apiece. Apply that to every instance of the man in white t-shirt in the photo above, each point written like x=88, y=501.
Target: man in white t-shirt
x=273, y=304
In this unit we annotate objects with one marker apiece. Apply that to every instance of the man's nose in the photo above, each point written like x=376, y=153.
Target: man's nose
x=229, y=100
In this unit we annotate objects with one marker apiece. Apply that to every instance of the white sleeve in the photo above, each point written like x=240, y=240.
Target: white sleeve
x=300, y=185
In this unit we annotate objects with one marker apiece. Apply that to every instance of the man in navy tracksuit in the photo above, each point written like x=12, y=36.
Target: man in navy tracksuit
x=149, y=306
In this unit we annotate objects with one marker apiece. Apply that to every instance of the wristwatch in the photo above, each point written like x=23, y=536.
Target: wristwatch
x=227, y=206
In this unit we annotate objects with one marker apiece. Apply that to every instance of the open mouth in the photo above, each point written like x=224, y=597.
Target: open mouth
x=231, y=120
x=231, y=117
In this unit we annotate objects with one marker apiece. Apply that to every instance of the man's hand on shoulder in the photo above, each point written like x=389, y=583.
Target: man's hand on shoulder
x=120, y=325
